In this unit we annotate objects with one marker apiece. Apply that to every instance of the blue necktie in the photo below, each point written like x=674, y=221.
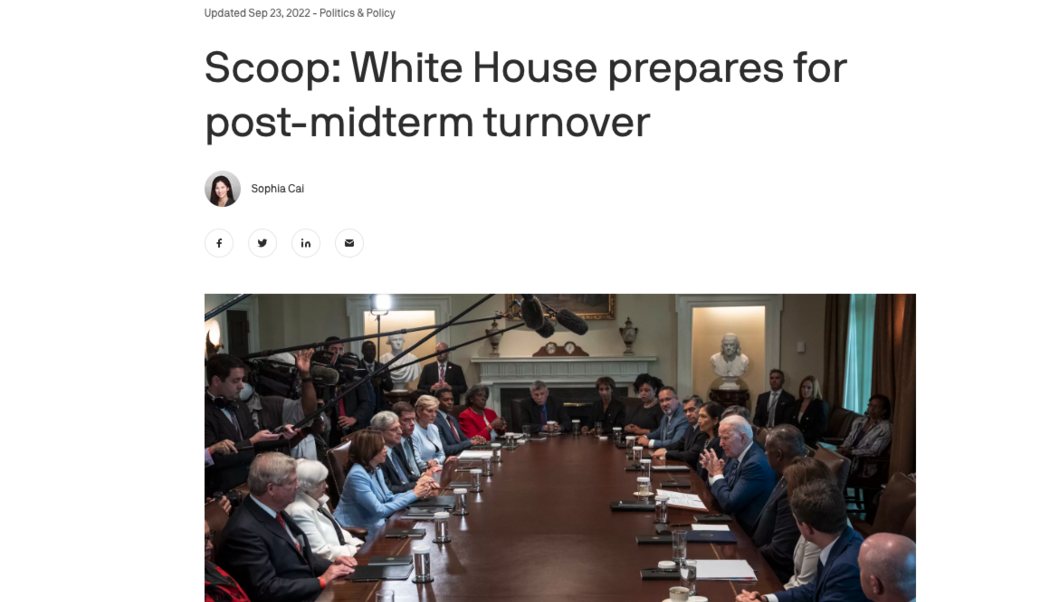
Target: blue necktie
x=393, y=462
x=544, y=417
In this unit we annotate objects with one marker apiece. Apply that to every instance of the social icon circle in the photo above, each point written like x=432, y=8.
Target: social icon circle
x=349, y=243
x=262, y=243
x=219, y=243
x=305, y=243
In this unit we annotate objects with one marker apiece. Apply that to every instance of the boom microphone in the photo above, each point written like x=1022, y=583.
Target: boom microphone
x=572, y=322
x=547, y=329
x=532, y=313
x=323, y=375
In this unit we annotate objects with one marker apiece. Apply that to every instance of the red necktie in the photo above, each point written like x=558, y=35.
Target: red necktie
x=442, y=371
x=282, y=523
x=452, y=425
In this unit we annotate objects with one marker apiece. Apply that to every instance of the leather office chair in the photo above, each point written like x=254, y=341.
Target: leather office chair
x=517, y=416
x=839, y=423
x=838, y=464
x=897, y=502
x=337, y=458
x=760, y=436
x=217, y=519
x=910, y=528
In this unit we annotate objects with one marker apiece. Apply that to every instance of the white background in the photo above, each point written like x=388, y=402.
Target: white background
x=916, y=173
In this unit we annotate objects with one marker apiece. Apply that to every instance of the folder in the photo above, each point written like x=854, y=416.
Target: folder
x=691, y=537
x=659, y=575
x=390, y=560
x=440, y=501
x=672, y=468
x=405, y=533
x=623, y=506
x=379, y=573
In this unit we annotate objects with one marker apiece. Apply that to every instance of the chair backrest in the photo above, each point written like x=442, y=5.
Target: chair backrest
x=337, y=459
x=838, y=464
x=897, y=502
x=839, y=422
x=631, y=405
x=457, y=409
x=516, y=416
x=910, y=528
x=760, y=436
x=217, y=519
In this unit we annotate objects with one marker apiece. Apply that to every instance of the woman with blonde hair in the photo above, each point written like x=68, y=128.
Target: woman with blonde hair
x=427, y=437
x=810, y=414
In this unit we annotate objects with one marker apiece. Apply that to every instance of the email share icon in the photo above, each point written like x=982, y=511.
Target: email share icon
x=348, y=242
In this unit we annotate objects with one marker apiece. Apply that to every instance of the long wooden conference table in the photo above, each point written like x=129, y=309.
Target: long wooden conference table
x=543, y=529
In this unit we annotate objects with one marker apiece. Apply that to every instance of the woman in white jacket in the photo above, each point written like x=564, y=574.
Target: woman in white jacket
x=311, y=512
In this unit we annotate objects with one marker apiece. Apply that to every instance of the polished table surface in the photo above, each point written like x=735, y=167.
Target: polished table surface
x=543, y=529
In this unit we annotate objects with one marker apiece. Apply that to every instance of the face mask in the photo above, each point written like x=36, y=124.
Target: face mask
x=247, y=392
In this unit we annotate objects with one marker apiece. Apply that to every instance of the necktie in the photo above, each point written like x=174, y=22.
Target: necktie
x=412, y=454
x=772, y=409
x=452, y=425
x=442, y=371
x=544, y=417
x=282, y=523
x=234, y=421
x=393, y=462
x=339, y=532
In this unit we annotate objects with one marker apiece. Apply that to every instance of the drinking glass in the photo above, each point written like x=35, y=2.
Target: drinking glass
x=527, y=432
x=688, y=576
x=599, y=429
x=679, y=546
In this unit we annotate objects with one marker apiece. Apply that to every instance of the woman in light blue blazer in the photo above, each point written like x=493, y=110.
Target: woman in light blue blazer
x=366, y=500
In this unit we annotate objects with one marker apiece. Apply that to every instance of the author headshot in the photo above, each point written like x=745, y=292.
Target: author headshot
x=222, y=189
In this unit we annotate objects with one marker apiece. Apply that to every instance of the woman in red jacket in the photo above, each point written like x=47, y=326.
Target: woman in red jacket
x=476, y=420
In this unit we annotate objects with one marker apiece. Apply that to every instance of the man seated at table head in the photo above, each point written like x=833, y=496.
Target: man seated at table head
x=455, y=440
x=775, y=533
x=888, y=568
x=672, y=427
x=396, y=472
x=264, y=549
x=538, y=410
x=742, y=482
x=819, y=511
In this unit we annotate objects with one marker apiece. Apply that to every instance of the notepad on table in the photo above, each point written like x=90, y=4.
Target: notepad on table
x=688, y=501
x=671, y=468
x=725, y=570
x=469, y=454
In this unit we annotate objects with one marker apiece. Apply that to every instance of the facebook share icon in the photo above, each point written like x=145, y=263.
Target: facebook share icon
x=219, y=243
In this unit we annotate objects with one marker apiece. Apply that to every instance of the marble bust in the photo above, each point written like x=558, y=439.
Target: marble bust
x=400, y=376
x=729, y=362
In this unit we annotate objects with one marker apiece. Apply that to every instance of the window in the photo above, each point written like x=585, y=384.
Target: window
x=860, y=352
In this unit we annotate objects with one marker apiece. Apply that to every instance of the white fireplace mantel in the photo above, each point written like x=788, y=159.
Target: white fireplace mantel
x=509, y=372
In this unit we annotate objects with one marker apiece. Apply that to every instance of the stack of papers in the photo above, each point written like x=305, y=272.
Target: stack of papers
x=725, y=570
x=689, y=501
x=469, y=454
x=708, y=528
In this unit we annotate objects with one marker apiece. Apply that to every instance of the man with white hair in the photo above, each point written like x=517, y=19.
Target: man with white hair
x=395, y=472
x=888, y=568
x=742, y=483
x=311, y=512
x=264, y=549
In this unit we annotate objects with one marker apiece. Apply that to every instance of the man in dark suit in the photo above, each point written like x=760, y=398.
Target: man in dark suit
x=227, y=418
x=443, y=373
x=775, y=533
x=396, y=472
x=540, y=409
x=689, y=448
x=352, y=412
x=264, y=550
x=382, y=384
x=819, y=510
x=742, y=483
x=451, y=432
x=775, y=406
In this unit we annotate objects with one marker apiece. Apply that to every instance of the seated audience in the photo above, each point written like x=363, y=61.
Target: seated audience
x=427, y=437
x=540, y=408
x=806, y=554
x=810, y=415
x=477, y=420
x=741, y=484
x=888, y=568
x=311, y=512
x=366, y=500
x=450, y=429
x=672, y=427
x=869, y=436
x=819, y=510
x=609, y=413
x=775, y=533
x=648, y=417
x=227, y=418
x=689, y=448
x=264, y=549
x=708, y=419
x=407, y=452
x=396, y=474
x=220, y=587
x=775, y=405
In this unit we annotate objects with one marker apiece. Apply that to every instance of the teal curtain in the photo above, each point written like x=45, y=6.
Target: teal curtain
x=860, y=353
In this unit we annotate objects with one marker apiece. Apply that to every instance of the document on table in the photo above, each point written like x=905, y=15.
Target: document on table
x=725, y=570
x=469, y=454
x=708, y=528
x=689, y=501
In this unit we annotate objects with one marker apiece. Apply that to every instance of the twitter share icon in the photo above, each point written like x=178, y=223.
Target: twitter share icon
x=262, y=243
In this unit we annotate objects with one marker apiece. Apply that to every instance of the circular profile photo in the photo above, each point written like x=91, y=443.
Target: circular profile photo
x=222, y=189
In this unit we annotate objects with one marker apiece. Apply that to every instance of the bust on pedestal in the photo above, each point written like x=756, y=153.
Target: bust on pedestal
x=730, y=364
x=404, y=375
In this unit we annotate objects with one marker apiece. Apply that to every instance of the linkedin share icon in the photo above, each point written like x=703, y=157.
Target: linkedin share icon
x=305, y=243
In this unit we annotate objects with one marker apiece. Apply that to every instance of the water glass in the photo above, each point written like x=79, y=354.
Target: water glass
x=630, y=442
x=487, y=466
x=644, y=467
x=598, y=428
x=637, y=453
x=688, y=576
x=421, y=559
x=384, y=596
x=460, y=503
x=575, y=428
x=661, y=509
x=440, y=525
x=617, y=434
x=527, y=432
x=496, y=452
x=643, y=484
x=475, y=475
x=679, y=546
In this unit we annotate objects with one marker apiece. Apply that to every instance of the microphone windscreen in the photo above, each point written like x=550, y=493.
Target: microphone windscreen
x=572, y=322
x=323, y=375
x=547, y=329
x=532, y=313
